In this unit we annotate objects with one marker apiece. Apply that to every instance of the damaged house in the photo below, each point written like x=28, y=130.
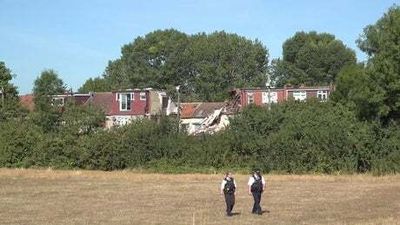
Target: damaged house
x=203, y=117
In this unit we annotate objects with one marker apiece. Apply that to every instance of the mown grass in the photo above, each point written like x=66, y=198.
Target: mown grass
x=126, y=197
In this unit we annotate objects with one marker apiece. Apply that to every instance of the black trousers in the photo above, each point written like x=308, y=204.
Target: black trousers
x=230, y=202
x=257, y=200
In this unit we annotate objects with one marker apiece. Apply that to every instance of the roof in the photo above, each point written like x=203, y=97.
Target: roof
x=102, y=100
x=288, y=88
x=199, y=109
x=81, y=99
x=187, y=109
x=27, y=101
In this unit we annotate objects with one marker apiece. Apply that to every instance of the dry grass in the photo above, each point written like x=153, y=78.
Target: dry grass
x=93, y=197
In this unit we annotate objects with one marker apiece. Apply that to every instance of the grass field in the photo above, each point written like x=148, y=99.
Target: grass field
x=95, y=197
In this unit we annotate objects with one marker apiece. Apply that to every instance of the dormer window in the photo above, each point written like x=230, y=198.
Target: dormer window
x=125, y=101
x=142, y=96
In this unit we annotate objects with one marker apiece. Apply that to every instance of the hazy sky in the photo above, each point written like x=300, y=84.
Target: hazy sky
x=76, y=38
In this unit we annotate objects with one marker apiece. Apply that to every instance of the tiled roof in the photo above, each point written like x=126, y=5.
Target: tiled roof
x=199, y=109
x=27, y=101
x=102, y=100
x=187, y=109
x=81, y=99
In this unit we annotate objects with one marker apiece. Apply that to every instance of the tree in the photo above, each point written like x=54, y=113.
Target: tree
x=81, y=120
x=221, y=61
x=382, y=44
x=45, y=87
x=206, y=66
x=8, y=94
x=47, y=115
x=97, y=84
x=355, y=89
x=311, y=59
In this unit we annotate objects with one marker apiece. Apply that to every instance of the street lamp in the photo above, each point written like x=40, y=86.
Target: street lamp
x=179, y=108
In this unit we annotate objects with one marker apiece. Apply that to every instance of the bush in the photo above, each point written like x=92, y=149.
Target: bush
x=293, y=137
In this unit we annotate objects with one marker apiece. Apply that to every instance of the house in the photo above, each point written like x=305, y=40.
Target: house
x=27, y=101
x=120, y=107
x=259, y=96
x=198, y=117
x=123, y=106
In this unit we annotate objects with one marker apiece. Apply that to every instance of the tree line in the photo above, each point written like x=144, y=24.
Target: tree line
x=357, y=130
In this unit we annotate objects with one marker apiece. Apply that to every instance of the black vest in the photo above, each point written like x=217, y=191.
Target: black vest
x=257, y=186
x=229, y=187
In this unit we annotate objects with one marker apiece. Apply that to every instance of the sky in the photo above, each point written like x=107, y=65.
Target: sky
x=77, y=38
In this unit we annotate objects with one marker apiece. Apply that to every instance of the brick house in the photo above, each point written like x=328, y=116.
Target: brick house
x=27, y=101
x=259, y=96
x=195, y=114
x=121, y=107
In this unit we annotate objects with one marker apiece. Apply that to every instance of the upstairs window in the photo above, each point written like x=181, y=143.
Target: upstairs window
x=142, y=96
x=125, y=101
x=273, y=97
x=322, y=95
x=250, y=98
x=300, y=95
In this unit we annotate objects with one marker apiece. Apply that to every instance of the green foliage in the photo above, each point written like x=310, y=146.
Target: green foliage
x=47, y=114
x=355, y=88
x=299, y=137
x=356, y=132
x=9, y=107
x=381, y=42
x=18, y=142
x=45, y=86
x=10, y=91
x=95, y=85
x=205, y=65
x=374, y=90
x=311, y=59
x=294, y=137
x=81, y=120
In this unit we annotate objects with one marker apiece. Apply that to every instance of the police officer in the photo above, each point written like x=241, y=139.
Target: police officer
x=228, y=189
x=256, y=187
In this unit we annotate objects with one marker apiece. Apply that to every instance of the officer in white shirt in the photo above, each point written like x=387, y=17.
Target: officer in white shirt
x=228, y=189
x=256, y=186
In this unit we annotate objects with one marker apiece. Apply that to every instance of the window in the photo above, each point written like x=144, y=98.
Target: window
x=125, y=101
x=142, y=96
x=250, y=98
x=273, y=97
x=322, y=95
x=300, y=95
x=57, y=101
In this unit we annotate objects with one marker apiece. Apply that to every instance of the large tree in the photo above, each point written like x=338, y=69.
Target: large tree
x=206, y=66
x=374, y=89
x=45, y=87
x=221, y=61
x=312, y=59
x=8, y=94
x=381, y=41
x=47, y=115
